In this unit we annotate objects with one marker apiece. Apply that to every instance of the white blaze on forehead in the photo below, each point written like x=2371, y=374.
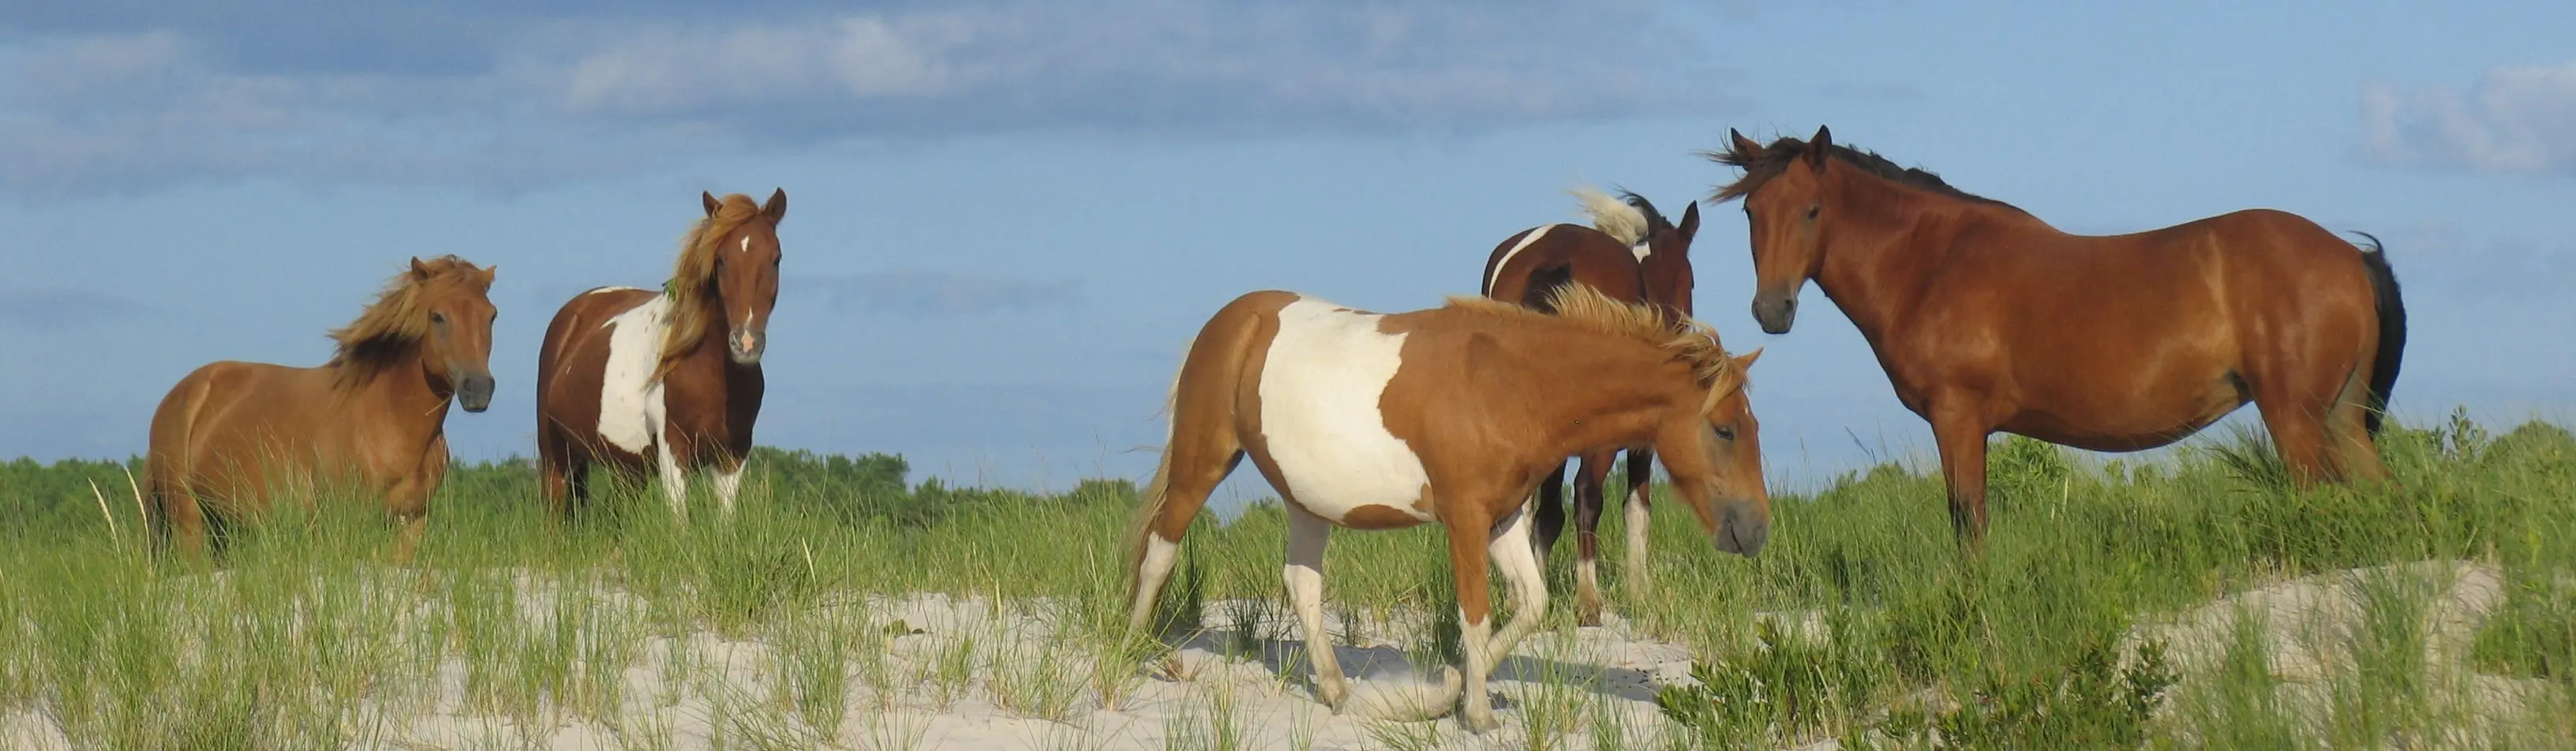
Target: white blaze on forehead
x=1642, y=250
x=1320, y=386
x=630, y=402
x=1526, y=241
x=746, y=243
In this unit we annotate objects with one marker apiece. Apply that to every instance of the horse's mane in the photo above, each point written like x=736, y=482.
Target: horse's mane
x=1580, y=304
x=394, y=324
x=693, y=278
x=1764, y=163
x=1628, y=217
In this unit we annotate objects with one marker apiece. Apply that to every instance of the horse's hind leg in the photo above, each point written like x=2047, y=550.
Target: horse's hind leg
x=1588, y=503
x=1305, y=578
x=2295, y=412
x=1640, y=515
x=2355, y=451
x=1549, y=511
x=1196, y=459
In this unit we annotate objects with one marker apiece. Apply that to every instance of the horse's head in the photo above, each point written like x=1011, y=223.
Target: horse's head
x=1784, y=194
x=1667, y=265
x=746, y=274
x=1716, y=459
x=457, y=351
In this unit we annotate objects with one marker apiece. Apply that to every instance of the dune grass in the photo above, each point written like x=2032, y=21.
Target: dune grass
x=786, y=625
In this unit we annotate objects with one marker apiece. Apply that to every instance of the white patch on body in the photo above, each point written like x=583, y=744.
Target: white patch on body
x=1526, y=241
x=631, y=411
x=597, y=290
x=1326, y=369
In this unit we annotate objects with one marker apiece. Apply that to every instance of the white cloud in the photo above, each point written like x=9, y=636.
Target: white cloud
x=510, y=96
x=2518, y=119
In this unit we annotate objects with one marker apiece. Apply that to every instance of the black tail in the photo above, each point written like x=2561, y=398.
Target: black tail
x=2392, y=331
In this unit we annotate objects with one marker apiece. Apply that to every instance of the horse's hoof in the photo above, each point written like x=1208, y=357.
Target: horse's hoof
x=1479, y=723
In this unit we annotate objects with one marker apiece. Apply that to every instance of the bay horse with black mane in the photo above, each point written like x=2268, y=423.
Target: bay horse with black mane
x=1632, y=254
x=371, y=421
x=1372, y=421
x=1988, y=319
x=666, y=379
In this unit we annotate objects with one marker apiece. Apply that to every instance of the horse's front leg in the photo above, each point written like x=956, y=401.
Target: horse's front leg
x=1960, y=431
x=407, y=501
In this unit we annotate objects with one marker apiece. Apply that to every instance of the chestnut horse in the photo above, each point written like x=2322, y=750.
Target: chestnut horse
x=1449, y=416
x=1987, y=319
x=1633, y=254
x=670, y=379
x=373, y=419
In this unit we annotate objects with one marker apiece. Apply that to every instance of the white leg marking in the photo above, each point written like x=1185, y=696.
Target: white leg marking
x=675, y=484
x=1160, y=554
x=1305, y=578
x=1587, y=577
x=1327, y=367
x=1526, y=241
x=727, y=485
x=630, y=401
x=1639, y=516
x=1474, y=640
x=1510, y=550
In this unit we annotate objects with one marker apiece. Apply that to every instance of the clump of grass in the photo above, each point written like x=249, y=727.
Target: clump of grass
x=1039, y=683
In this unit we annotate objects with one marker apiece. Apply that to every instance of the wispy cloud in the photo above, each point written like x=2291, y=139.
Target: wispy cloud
x=57, y=309
x=514, y=94
x=2517, y=119
x=939, y=294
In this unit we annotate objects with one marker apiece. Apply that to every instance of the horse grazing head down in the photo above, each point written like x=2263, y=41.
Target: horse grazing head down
x=439, y=309
x=728, y=261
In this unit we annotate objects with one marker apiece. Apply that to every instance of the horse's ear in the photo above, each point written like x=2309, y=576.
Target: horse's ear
x=776, y=208
x=1745, y=361
x=1690, y=221
x=489, y=272
x=710, y=199
x=419, y=271
x=1743, y=145
x=1818, y=147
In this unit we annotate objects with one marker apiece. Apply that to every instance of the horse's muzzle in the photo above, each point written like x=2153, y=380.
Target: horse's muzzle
x=1743, y=530
x=474, y=392
x=1775, y=312
x=745, y=346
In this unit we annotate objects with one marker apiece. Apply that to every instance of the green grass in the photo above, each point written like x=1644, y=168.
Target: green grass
x=305, y=638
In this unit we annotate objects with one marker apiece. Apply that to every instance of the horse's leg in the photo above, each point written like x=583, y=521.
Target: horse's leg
x=185, y=517
x=1960, y=431
x=2294, y=412
x=1550, y=511
x=728, y=482
x=2356, y=452
x=1640, y=514
x=1191, y=469
x=1588, y=503
x=408, y=500
x=554, y=468
x=675, y=482
x=1527, y=583
x=1305, y=577
x=1471, y=540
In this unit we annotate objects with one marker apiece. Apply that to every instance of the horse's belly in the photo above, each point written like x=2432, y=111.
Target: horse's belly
x=1320, y=422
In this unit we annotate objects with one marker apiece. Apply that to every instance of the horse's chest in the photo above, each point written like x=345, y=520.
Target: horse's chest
x=1321, y=421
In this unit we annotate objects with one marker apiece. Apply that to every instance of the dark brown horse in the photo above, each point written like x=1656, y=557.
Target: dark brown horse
x=372, y=421
x=1988, y=319
x=1632, y=254
x=1448, y=416
x=671, y=379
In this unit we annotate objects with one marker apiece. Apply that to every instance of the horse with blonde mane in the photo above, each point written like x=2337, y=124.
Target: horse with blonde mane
x=1632, y=254
x=233, y=436
x=1449, y=415
x=1988, y=319
x=667, y=379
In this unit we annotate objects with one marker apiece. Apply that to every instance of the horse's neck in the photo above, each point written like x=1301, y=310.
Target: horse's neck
x=1616, y=399
x=1880, y=249
x=398, y=398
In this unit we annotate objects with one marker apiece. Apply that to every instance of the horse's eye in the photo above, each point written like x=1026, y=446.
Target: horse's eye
x=1726, y=431
x=438, y=318
x=1811, y=211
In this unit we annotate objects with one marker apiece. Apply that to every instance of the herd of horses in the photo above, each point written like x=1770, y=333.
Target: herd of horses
x=1582, y=344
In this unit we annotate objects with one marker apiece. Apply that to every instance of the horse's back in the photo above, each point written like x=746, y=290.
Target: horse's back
x=234, y=414
x=1526, y=266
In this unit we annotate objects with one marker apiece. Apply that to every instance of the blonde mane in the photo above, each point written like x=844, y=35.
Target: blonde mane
x=693, y=278
x=1612, y=216
x=394, y=324
x=1687, y=339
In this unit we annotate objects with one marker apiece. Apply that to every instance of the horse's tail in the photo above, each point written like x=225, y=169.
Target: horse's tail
x=1613, y=217
x=2392, y=331
x=1149, y=504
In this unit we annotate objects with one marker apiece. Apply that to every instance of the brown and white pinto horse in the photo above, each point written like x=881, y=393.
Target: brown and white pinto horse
x=1448, y=416
x=1632, y=254
x=1987, y=319
x=671, y=380
x=372, y=420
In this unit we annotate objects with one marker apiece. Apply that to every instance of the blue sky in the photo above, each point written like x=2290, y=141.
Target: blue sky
x=1009, y=217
